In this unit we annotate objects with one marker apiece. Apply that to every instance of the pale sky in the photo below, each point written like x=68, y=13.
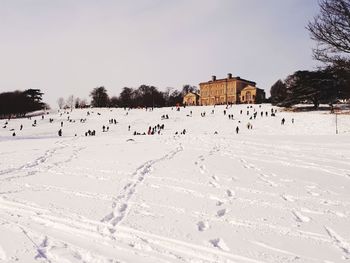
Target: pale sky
x=69, y=47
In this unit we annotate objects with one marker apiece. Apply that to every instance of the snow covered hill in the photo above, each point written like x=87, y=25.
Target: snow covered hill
x=273, y=193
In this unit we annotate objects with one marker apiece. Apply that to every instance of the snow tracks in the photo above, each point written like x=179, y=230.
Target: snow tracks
x=121, y=202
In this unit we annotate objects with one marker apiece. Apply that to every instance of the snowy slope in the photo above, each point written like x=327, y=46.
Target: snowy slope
x=276, y=193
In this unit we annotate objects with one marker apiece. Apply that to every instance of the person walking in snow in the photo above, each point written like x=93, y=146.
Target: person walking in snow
x=60, y=132
x=237, y=129
x=283, y=121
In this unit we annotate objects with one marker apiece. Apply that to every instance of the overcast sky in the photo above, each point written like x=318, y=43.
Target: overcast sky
x=70, y=47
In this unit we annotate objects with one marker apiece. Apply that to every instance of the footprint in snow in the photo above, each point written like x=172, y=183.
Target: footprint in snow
x=219, y=243
x=287, y=198
x=214, y=184
x=221, y=212
x=301, y=218
x=202, y=226
x=230, y=193
x=313, y=193
x=219, y=203
x=214, y=177
x=202, y=169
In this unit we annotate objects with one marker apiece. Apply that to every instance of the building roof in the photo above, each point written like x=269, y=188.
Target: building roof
x=225, y=79
x=252, y=87
x=192, y=93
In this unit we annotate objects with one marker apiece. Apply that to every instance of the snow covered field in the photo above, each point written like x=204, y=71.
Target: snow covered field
x=271, y=194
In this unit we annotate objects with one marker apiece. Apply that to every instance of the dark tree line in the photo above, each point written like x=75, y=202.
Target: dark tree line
x=143, y=96
x=18, y=103
x=327, y=85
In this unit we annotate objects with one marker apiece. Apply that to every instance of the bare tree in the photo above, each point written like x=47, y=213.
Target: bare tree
x=60, y=102
x=70, y=102
x=83, y=103
x=77, y=103
x=331, y=30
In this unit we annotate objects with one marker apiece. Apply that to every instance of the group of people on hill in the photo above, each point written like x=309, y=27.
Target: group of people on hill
x=251, y=112
x=90, y=133
x=182, y=133
x=155, y=129
x=112, y=121
x=253, y=115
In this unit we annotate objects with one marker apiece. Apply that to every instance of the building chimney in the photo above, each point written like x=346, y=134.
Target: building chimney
x=213, y=78
x=229, y=76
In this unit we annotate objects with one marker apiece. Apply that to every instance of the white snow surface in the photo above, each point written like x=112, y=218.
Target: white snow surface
x=276, y=193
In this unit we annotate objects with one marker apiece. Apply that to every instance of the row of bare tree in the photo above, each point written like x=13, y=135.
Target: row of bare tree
x=143, y=96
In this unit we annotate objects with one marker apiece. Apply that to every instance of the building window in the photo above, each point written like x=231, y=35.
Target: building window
x=248, y=95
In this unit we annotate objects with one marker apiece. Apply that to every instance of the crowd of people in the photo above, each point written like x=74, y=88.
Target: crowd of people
x=251, y=113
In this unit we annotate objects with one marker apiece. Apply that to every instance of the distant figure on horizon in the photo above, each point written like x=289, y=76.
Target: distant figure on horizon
x=237, y=129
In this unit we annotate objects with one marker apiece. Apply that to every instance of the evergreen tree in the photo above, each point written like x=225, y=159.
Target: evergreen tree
x=20, y=102
x=311, y=86
x=278, y=92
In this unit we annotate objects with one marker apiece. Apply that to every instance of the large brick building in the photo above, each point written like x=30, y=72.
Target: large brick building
x=231, y=90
